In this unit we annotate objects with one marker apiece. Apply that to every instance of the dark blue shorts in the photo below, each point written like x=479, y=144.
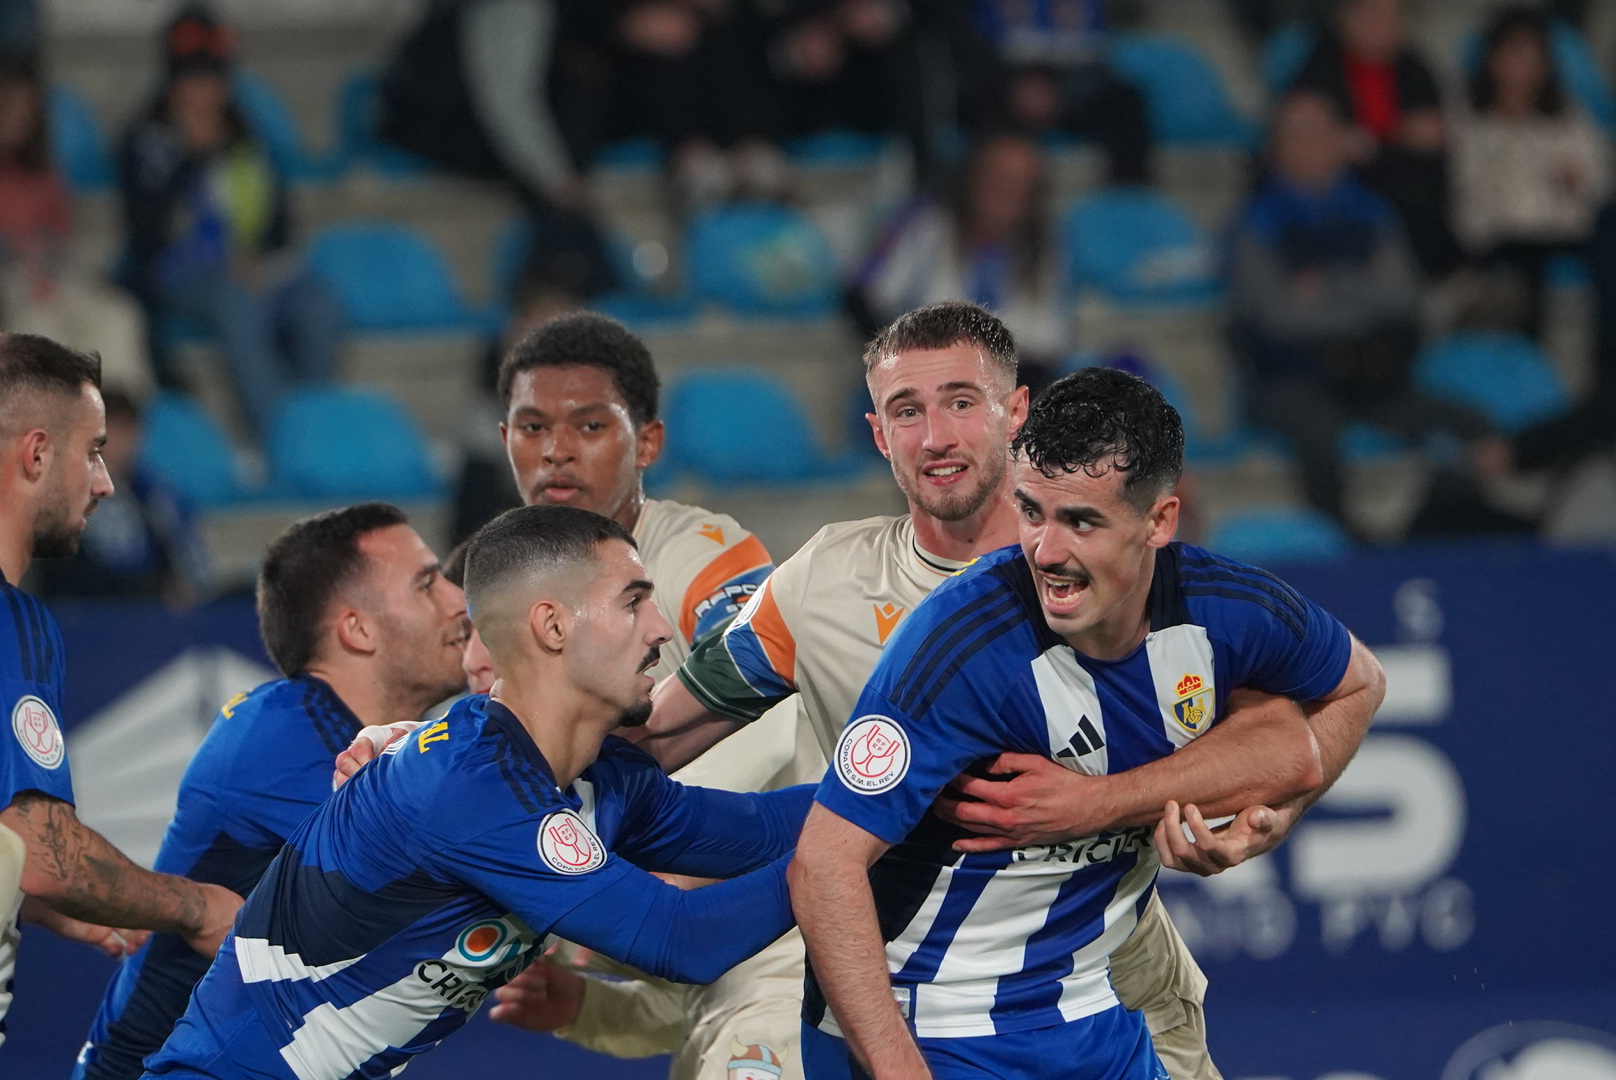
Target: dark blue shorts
x=1112, y=1045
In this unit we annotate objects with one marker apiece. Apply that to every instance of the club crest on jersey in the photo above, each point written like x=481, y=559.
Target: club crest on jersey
x=35, y=727
x=872, y=755
x=753, y=1062
x=568, y=846
x=1193, y=709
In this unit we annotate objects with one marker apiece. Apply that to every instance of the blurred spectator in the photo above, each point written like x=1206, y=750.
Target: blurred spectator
x=843, y=64
x=989, y=244
x=1046, y=70
x=40, y=293
x=1365, y=65
x=139, y=543
x=1324, y=297
x=208, y=231
x=1531, y=170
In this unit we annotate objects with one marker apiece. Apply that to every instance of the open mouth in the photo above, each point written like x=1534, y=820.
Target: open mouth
x=944, y=472
x=1064, y=593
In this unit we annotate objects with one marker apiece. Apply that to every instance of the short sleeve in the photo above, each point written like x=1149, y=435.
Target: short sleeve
x=33, y=752
x=888, y=767
x=1295, y=649
x=752, y=665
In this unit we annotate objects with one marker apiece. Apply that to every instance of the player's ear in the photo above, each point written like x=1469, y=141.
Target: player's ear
x=880, y=436
x=648, y=443
x=1163, y=521
x=550, y=623
x=1018, y=405
x=355, y=631
x=36, y=454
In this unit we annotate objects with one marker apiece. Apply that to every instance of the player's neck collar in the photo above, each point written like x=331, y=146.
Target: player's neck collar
x=506, y=721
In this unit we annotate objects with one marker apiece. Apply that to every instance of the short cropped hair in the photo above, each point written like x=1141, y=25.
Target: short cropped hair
x=937, y=326
x=1102, y=418
x=30, y=364
x=533, y=539
x=586, y=339
x=304, y=569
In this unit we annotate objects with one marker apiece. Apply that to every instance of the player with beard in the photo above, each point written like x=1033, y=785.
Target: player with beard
x=365, y=629
x=942, y=380
x=52, y=425
x=431, y=875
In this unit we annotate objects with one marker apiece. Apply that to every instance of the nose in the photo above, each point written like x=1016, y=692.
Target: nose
x=940, y=435
x=660, y=632
x=101, y=486
x=561, y=447
x=1047, y=549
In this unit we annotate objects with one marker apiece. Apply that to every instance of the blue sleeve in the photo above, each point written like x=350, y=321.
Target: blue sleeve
x=888, y=767
x=604, y=903
x=707, y=832
x=33, y=753
x=1299, y=650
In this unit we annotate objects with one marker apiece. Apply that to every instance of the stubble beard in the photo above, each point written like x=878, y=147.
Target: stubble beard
x=954, y=506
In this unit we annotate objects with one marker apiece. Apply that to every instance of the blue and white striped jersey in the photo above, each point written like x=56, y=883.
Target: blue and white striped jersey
x=427, y=880
x=263, y=768
x=1016, y=940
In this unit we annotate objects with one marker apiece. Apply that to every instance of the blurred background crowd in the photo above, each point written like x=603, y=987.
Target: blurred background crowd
x=1367, y=247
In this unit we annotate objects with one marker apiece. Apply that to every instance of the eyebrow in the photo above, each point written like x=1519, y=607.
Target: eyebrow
x=427, y=571
x=1066, y=515
x=913, y=392
x=638, y=585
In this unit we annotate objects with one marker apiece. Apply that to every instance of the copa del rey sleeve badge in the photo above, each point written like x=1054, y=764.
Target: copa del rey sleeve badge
x=873, y=755
x=568, y=846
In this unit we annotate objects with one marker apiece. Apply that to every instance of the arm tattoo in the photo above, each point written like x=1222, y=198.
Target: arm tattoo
x=94, y=881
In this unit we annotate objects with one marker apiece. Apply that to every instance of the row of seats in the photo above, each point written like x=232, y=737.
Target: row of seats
x=1187, y=100
x=726, y=426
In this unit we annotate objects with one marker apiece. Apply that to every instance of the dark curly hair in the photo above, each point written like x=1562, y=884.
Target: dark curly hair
x=939, y=325
x=588, y=340
x=1101, y=418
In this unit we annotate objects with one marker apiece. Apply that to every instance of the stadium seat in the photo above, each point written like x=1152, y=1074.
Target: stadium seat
x=78, y=145
x=1578, y=68
x=391, y=277
x=1184, y=93
x=837, y=149
x=762, y=259
x=1137, y=247
x=631, y=155
x=732, y=426
x=1279, y=534
x=357, y=143
x=347, y=443
x=185, y=448
x=272, y=122
x=1283, y=55
x=1505, y=376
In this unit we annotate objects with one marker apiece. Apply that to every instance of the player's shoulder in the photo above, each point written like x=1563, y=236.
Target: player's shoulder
x=621, y=763
x=864, y=536
x=469, y=771
x=288, y=722
x=33, y=641
x=1194, y=585
x=663, y=522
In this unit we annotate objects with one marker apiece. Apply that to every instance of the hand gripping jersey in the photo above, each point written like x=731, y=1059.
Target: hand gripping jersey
x=33, y=754
x=1017, y=940
x=428, y=879
x=263, y=768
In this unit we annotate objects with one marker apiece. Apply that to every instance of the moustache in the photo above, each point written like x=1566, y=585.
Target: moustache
x=651, y=659
x=1062, y=572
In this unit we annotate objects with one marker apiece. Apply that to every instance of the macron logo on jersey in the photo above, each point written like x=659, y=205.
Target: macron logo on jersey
x=873, y=755
x=568, y=846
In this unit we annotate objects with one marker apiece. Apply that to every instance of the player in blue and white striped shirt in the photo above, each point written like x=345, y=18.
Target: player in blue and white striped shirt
x=430, y=878
x=1103, y=645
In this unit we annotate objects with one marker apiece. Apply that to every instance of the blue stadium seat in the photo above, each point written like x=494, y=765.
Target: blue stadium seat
x=837, y=148
x=732, y=426
x=357, y=143
x=631, y=155
x=1284, y=54
x=1138, y=247
x=186, y=448
x=272, y=123
x=1578, y=68
x=1184, y=93
x=1505, y=376
x=762, y=259
x=347, y=443
x=78, y=145
x=1267, y=535
x=390, y=277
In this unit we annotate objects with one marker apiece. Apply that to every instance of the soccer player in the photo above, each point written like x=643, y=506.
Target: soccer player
x=431, y=875
x=581, y=427
x=52, y=424
x=357, y=616
x=1097, y=642
x=942, y=382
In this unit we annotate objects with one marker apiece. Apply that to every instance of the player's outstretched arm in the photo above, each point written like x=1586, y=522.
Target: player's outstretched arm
x=681, y=728
x=366, y=745
x=709, y=833
x=634, y=1018
x=116, y=943
x=1262, y=753
x=74, y=871
x=830, y=891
